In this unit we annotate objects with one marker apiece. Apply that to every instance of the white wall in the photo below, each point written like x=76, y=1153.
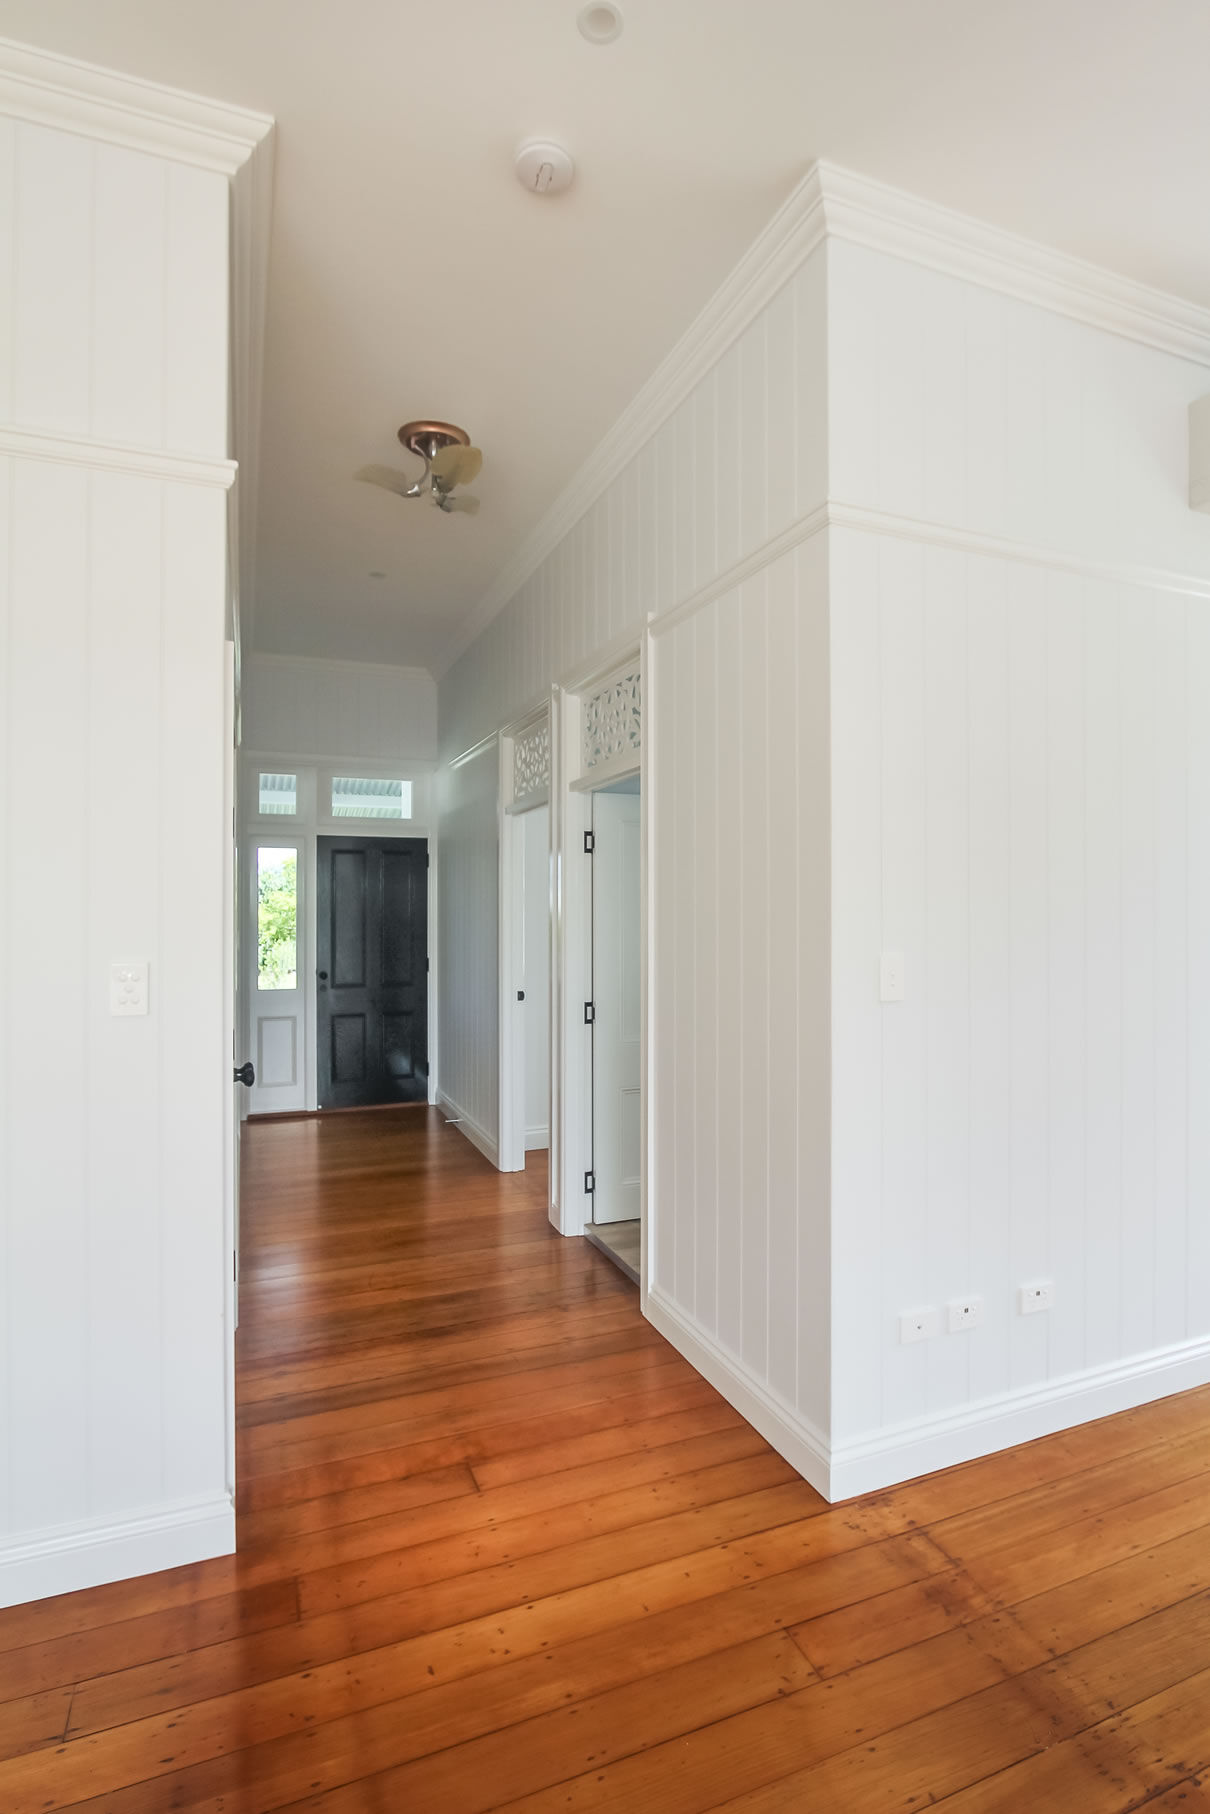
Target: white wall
x=1021, y=775
x=113, y=437
x=468, y=1004
x=296, y=706
x=928, y=647
x=695, y=535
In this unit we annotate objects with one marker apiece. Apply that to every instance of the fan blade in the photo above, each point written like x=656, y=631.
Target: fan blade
x=456, y=465
x=399, y=482
x=469, y=505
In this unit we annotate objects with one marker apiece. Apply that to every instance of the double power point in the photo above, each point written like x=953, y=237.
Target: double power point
x=967, y=1313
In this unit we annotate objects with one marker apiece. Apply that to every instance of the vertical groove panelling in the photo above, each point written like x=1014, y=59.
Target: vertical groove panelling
x=740, y=1222
x=468, y=862
x=9, y=960
x=296, y=706
x=114, y=1385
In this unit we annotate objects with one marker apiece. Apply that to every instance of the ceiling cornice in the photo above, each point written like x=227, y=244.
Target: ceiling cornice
x=868, y=213
x=831, y=203
x=789, y=238
x=61, y=92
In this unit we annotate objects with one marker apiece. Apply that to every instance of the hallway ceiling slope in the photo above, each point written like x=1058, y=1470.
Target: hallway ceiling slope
x=411, y=275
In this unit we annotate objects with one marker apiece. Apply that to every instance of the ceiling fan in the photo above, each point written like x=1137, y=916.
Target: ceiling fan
x=449, y=460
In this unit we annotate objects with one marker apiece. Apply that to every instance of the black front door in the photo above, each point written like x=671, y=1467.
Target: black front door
x=372, y=982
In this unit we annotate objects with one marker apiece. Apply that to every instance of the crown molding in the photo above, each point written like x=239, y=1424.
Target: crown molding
x=50, y=90
x=335, y=661
x=831, y=203
x=114, y=456
x=783, y=245
x=872, y=214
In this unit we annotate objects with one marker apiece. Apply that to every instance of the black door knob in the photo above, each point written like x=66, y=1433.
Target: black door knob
x=322, y=975
x=245, y=1074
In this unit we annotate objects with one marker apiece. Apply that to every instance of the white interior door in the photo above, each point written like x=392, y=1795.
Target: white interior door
x=617, y=1007
x=535, y=977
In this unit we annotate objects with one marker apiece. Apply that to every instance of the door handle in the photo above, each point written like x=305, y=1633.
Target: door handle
x=244, y=1073
x=322, y=976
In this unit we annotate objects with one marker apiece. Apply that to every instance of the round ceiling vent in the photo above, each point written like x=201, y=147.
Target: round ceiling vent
x=600, y=21
x=544, y=168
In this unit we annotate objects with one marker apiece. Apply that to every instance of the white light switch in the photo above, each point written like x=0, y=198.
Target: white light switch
x=128, y=988
x=891, y=976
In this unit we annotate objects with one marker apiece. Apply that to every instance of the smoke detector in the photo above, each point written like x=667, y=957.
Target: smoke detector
x=600, y=22
x=544, y=168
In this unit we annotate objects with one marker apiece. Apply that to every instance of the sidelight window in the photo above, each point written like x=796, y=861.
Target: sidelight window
x=276, y=918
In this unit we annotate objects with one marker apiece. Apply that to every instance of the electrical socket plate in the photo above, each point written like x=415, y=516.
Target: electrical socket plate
x=919, y=1325
x=964, y=1313
x=1038, y=1296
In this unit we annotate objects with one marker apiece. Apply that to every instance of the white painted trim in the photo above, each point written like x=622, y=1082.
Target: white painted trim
x=251, y=226
x=873, y=214
x=71, y=96
x=860, y=518
x=510, y=1080
x=537, y=1139
x=618, y=768
x=830, y=202
x=270, y=658
x=949, y=1437
x=784, y=244
x=802, y=1445
x=467, y=1125
x=973, y=541
x=88, y=1554
x=528, y=803
x=1199, y=454
x=113, y=456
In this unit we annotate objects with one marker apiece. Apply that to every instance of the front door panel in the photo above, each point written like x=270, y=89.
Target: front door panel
x=372, y=970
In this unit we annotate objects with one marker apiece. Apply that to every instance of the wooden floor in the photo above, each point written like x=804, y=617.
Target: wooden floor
x=501, y=1548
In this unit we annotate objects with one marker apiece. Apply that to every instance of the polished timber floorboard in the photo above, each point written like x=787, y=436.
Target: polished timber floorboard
x=499, y=1547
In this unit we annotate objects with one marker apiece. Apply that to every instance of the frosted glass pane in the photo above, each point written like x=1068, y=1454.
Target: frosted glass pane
x=279, y=794
x=354, y=798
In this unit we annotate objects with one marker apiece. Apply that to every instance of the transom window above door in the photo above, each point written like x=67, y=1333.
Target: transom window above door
x=278, y=794
x=359, y=797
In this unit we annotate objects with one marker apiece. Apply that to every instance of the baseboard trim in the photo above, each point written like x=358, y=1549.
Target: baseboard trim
x=537, y=1139
x=802, y=1445
x=946, y=1440
x=468, y=1126
x=72, y=1556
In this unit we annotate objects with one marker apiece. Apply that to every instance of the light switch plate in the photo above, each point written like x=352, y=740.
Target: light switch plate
x=128, y=987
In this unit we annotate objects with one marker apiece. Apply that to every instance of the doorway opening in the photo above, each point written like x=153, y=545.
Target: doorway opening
x=617, y=1026
x=525, y=943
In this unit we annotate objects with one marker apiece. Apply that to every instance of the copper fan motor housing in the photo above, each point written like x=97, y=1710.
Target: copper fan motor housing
x=424, y=439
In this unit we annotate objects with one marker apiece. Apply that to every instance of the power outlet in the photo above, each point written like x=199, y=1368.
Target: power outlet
x=1038, y=1296
x=919, y=1325
x=964, y=1313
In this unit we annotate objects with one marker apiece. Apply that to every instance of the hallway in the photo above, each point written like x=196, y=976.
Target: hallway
x=501, y=1547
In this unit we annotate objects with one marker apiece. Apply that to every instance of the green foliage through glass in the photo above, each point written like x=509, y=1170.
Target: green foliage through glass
x=276, y=919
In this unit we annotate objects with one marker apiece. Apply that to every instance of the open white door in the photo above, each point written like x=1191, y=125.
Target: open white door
x=617, y=1007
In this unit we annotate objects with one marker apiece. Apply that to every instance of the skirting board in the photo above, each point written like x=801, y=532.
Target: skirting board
x=943, y=1441
x=801, y=1445
x=88, y=1555
x=478, y=1136
x=537, y=1139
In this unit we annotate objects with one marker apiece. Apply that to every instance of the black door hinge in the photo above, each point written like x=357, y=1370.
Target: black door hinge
x=590, y=842
x=590, y=1183
x=590, y=1013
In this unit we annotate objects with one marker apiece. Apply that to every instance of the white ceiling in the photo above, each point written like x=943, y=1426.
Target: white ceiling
x=411, y=276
